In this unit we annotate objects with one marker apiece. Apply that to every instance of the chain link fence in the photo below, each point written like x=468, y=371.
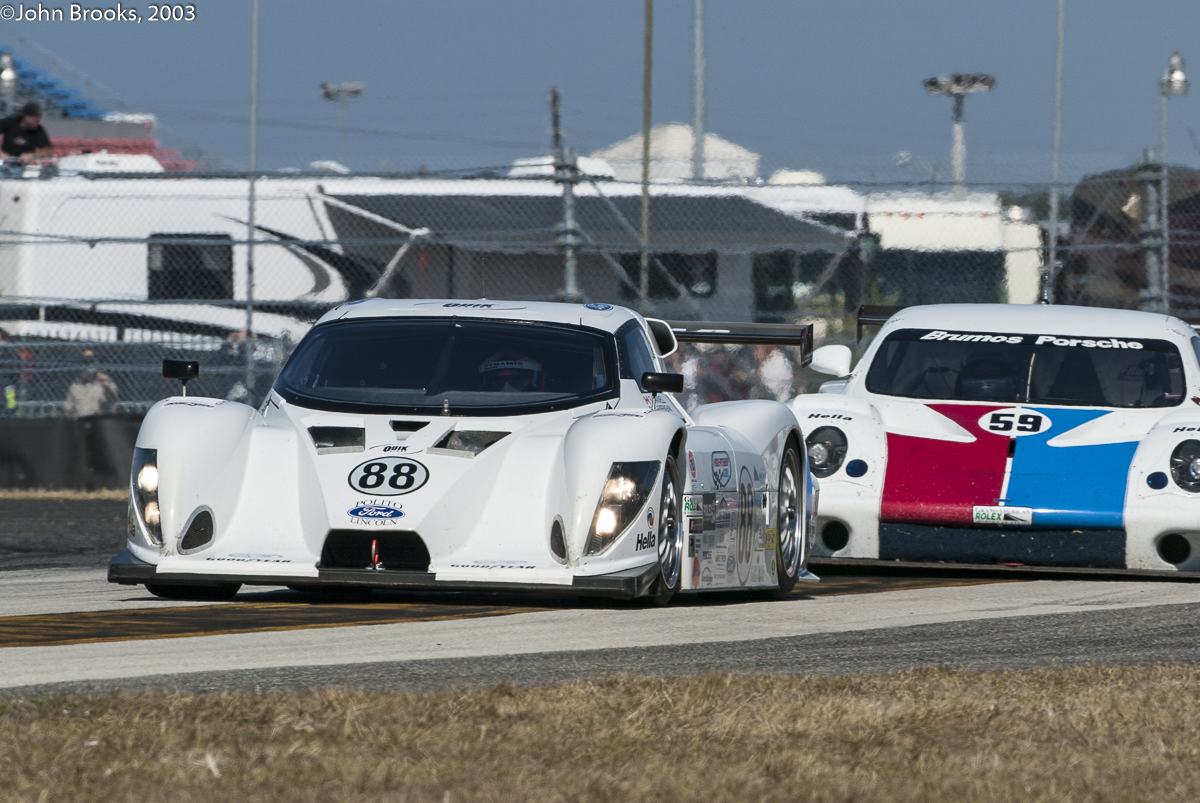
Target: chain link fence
x=108, y=274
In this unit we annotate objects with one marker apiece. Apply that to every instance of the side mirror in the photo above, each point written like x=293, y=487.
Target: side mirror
x=834, y=360
x=182, y=370
x=662, y=383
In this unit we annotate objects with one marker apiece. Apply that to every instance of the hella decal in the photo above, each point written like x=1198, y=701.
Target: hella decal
x=1014, y=422
x=388, y=476
x=645, y=541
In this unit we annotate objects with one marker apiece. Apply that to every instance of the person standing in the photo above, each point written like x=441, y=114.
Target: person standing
x=93, y=393
x=22, y=135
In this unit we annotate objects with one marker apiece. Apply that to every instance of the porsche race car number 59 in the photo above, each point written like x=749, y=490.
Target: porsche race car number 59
x=388, y=476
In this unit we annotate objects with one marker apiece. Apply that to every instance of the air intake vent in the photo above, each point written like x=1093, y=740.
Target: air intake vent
x=398, y=551
x=338, y=440
x=405, y=428
x=467, y=442
x=199, y=533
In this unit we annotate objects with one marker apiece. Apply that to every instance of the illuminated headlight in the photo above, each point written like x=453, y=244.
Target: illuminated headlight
x=1185, y=466
x=625, y=493
x=144, y=513
x=826, y=450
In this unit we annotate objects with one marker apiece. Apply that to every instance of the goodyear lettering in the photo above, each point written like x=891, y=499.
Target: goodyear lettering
x=646, y=541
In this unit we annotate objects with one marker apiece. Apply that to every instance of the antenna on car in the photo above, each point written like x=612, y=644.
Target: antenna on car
x=183, y=370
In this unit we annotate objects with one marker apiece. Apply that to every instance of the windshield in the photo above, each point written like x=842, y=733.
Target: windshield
x=1036, y=369
x=465, y=367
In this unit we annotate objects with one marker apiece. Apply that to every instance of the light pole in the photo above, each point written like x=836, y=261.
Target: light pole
x=1174, y=82
x=342, y=94
x=958, y=86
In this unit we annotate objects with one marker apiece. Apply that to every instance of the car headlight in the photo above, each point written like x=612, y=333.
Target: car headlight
x=625, y=493
x=1185, y=466
x=826, y=450
x=143, y=494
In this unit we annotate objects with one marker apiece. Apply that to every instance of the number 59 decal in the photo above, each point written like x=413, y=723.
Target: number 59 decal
x=388, y=476
x=1015, y=422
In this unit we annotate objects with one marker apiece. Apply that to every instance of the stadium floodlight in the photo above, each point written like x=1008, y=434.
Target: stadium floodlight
x=8, y=74
x=342, y=94
x=1174, y=83
x=958, y=86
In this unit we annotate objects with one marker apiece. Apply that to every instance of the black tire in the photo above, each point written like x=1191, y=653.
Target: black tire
x=669, y=540
x=214, y=593
x=789, y=522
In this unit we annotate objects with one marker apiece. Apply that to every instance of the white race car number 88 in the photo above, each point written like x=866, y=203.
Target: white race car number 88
x=388, y=476
x=1014, y=422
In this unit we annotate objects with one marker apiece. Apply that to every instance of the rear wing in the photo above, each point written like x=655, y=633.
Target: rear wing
x=799, y=336
x=874, y=316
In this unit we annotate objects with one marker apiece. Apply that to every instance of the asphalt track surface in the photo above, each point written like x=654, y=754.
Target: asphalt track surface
x=63, y=627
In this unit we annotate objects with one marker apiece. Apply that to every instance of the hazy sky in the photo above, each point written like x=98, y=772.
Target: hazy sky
x=832, y=86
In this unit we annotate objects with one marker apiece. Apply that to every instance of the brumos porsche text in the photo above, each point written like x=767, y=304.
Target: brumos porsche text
x=1042, y=340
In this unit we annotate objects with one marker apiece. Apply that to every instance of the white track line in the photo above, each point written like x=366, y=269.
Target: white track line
x=573, y=630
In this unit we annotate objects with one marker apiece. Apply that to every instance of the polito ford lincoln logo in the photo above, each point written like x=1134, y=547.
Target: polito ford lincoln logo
x=375, y=512
x=388, y=476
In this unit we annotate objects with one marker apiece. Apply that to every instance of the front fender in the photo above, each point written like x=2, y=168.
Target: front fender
x=593, y=444
x=202, y=447
x=1151, y=513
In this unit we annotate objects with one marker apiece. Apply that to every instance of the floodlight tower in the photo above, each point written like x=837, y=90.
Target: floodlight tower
x=958, y=86
x=342, y=94
x=1174, y=82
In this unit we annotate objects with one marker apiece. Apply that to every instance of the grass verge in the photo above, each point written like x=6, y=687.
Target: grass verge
x=1091, y=733
x=71, y=495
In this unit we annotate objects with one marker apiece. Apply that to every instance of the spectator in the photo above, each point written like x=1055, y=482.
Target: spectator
x=93, y=393
x=775, y=372
x=8, y=379
x=23, y=136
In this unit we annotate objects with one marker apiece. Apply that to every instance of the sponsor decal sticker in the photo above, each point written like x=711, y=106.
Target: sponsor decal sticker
x=650, y=518
x=1015, y=422
x=692, y=463
x=769, y=539
x=190, y=404
x=695, y=525
x=249, y=557
x=834, y=416
x=706, y=578
x=376, y=512
x=645, y=540
x=598, y=307
x=393, y=448
x=1038, y=340
x=1002, y=514
x=619, y=415
x=494, y=564
x=388, y=476
x=722, y=469
x=730, y=565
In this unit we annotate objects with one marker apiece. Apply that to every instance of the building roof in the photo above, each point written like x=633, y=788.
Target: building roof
x=671, y=155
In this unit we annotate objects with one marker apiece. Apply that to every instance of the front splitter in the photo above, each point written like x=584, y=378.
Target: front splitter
x=126, y=569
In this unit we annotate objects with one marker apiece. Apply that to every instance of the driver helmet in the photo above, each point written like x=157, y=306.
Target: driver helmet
x=512, y=371
x=988, y=377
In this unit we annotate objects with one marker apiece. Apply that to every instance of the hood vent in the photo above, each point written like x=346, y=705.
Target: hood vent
x=338, y=440
x=466, y=442
x=405, y=428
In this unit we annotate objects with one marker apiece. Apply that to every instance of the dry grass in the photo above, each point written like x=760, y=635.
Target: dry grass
x=110, y=494
x=1095, y=734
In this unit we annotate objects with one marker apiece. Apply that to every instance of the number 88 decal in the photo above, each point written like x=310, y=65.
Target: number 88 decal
x=388, y=476
x=1014, y=422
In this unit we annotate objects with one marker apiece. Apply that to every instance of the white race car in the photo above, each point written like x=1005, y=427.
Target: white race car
x=474, y=445
x=1007, y=434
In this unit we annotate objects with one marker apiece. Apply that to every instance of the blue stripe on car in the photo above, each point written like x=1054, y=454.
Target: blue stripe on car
x=1070, y=486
